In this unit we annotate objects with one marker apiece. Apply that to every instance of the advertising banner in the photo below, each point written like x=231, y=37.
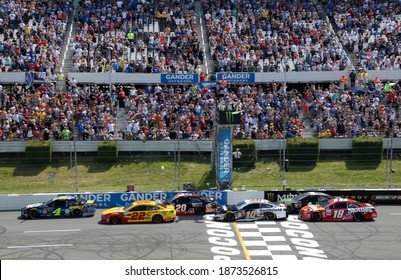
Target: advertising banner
x=108, y=200
x=225, y=157
x=175, y=79
x=236, y=77
x=377, y=196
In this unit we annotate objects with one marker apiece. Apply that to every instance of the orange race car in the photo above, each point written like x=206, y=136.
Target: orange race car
x=140, y=211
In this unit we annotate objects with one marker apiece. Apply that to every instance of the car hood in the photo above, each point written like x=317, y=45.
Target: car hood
x=113, y=210
x=34, y=205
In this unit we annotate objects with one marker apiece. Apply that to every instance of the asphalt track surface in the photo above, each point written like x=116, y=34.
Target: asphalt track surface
x=198, y=238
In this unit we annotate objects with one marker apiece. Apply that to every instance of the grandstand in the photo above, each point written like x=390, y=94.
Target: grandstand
x=100, y=69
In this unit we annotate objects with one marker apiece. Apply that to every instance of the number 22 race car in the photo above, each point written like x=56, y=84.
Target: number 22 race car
x=140, y=211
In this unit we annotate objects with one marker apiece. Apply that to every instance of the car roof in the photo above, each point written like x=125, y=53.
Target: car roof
x=341, y=199
x=315, y=193
x=256, y=200
x=186, y=194
x=144, y=202
x=64, y=197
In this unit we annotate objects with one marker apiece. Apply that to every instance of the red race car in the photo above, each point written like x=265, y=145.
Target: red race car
x=338, y=209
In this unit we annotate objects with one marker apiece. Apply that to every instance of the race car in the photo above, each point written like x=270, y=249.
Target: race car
x=140, y=211
x=303, y=199
x=192, y=203
x=60, y=206
x=338, y=209
x=251, y=210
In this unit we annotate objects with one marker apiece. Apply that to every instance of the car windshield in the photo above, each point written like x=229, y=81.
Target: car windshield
x=241, y=204
x=48, y=202
x=325, y=203
x=298, y=197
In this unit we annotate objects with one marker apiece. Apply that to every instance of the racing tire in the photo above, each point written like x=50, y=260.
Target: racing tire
x=76, y=213
x=200, y=210
x=358, y=217
x=33, y=214
x=229, y=217
x=316, y=217
x=115, y=219
x=270, y=216
x=157, y=219
x=290, y=209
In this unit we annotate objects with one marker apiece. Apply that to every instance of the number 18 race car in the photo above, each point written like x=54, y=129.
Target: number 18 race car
x=338, y=209
x=61, y=206
x=251, y=210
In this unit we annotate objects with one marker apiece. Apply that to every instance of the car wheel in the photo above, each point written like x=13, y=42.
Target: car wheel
x=33, y=214
x=270, y=216
x=290, y=209
x=115, y=219
x=316, y=217
x=157, y=219
x=230, y=217
x=358, y=217
x=199, y=210
x=76, y=213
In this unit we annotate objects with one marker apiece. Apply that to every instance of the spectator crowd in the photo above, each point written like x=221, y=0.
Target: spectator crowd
x=146, y=36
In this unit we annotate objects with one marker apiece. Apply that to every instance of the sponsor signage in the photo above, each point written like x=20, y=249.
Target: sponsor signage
x=225, y=157
x=179, y=78
x=108, y=200
x=236, y=77
x=229, y=117
x=376, y=196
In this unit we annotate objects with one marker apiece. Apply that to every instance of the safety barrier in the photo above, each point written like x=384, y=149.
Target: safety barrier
x=14, y=202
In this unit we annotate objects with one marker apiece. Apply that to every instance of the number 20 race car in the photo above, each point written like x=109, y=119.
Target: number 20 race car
x=61, y=206
x=338, y=209
x=192, y=203
x=251, y=210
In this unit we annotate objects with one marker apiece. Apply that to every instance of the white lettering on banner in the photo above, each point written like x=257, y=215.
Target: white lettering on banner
x=284, y=196
x=305, y=245
x=97, y=197
x=240, y=76
x=226, y=156
x=142, y=196
x=215, y=195
x=180, y=76
x=221, y=235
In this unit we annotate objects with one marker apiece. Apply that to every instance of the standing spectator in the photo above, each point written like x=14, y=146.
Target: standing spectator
x=352, y=77
x=237, y=159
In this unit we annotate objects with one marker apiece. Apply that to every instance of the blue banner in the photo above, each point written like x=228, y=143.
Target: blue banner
x=108, y=200
x=225, y=157
x=179, y=78
x=236, y=77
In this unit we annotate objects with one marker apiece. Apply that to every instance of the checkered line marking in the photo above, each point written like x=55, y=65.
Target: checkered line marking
x=264, y=240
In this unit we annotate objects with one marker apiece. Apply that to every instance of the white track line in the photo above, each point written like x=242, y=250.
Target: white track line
x=52, y=230
x=40, y=246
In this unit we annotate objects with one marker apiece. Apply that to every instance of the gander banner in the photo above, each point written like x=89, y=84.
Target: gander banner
x=225, y=157
x=108, y=200
x=179, y=78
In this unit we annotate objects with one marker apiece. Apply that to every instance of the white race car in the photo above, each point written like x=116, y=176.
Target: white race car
x=251, y=210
